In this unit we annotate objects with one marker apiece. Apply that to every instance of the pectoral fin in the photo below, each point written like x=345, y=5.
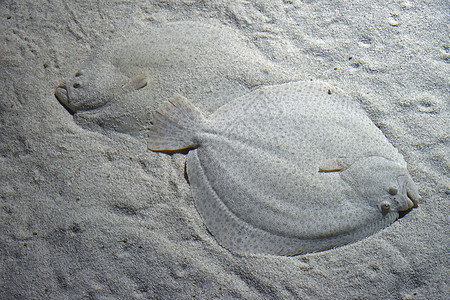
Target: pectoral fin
x=331, y=165
x=139, y=81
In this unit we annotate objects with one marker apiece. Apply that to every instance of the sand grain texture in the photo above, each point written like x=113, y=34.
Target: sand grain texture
x=86, y=214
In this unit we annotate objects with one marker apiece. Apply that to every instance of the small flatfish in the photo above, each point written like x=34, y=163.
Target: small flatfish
x=129, y=76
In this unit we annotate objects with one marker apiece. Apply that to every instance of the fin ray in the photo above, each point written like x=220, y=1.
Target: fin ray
x=175, y=125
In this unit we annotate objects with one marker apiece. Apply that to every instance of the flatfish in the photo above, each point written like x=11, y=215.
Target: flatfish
x=128, y=77
x=287, y=169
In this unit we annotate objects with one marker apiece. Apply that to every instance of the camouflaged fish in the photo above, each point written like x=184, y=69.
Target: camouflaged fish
x=287, y=169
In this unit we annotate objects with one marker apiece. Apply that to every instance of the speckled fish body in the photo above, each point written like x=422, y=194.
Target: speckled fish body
x=287, y=169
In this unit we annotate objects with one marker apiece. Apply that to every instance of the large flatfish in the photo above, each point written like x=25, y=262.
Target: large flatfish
x=287, y=169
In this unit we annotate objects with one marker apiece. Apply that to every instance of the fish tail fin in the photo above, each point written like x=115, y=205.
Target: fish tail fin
x=174, y=126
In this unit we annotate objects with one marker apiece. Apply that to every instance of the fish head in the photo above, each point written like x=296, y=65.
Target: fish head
x=94, y=85
x=386, y=184
x=401, y=196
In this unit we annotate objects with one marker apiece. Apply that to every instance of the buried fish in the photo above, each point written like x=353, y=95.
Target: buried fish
x=129, y=76
x=287, y=169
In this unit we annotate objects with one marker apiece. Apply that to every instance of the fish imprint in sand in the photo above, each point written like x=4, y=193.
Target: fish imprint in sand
x=287, y=169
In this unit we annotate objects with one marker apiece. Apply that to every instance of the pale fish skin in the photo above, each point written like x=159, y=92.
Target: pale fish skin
x=287, y=169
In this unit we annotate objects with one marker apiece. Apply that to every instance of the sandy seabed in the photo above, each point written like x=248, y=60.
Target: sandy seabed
x=94, y=215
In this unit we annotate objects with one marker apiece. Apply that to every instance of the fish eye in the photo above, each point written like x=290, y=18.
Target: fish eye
x=392, y=191
x=385, y=206
x=79, y=73
x=76, y=85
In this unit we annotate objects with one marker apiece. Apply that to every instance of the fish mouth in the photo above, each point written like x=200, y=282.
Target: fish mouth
x=62, y=95
x=409, y=200
x=414, y=201
x=410, y=203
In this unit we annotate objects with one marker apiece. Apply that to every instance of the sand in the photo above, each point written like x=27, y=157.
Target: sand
x=95, y=215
